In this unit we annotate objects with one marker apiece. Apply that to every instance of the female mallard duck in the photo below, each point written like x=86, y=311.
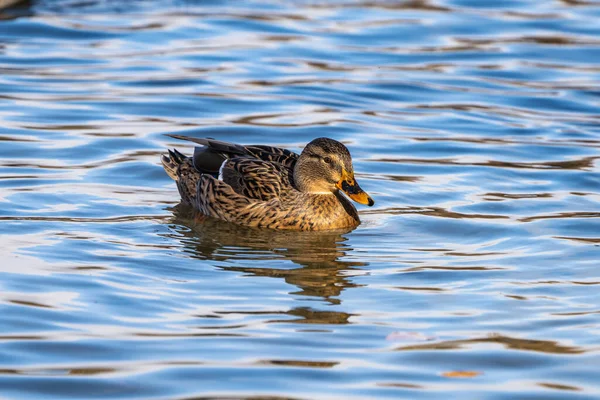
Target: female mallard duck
x=269, y=187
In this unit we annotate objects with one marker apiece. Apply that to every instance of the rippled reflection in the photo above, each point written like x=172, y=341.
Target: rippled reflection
x=511, y=343
x=320, y=255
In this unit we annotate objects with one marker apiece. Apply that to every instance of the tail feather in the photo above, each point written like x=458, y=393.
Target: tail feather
x=172, y=162
x=177, y=156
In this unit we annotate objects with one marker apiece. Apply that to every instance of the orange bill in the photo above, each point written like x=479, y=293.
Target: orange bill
x=349, y=186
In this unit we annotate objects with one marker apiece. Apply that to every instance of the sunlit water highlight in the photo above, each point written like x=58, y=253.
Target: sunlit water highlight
x=474, y=125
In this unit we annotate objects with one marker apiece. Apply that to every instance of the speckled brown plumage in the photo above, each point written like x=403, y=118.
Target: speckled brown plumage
x=263, y=186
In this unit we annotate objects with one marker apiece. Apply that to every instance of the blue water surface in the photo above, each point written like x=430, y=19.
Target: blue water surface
x=475, y=126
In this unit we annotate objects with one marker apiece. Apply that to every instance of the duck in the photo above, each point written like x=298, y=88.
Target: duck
x=269, y=187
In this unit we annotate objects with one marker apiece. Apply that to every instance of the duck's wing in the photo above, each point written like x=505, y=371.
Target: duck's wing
x=257, y=172
x=256, y=179
x=212, y=154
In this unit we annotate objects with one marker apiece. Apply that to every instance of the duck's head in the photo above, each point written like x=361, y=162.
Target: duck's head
x=325, y=166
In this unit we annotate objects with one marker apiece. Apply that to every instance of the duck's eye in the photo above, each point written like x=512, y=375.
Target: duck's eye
x=328, y=160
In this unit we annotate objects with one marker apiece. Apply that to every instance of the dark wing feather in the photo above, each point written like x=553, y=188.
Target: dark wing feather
x=216, y=151
x=256, y=179
x=216, y=145
x=207, y=161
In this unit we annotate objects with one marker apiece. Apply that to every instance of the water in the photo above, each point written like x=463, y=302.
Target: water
x=474, y=125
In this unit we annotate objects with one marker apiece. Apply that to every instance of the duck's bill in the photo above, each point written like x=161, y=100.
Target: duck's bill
x=351, y=188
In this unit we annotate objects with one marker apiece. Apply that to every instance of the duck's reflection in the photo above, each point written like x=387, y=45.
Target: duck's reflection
x=320, y=255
